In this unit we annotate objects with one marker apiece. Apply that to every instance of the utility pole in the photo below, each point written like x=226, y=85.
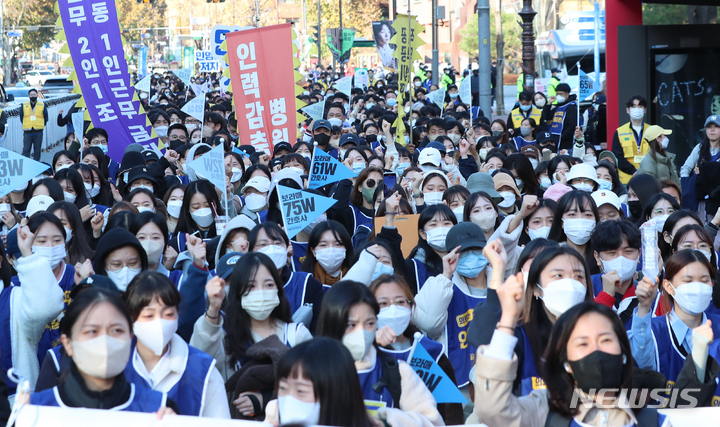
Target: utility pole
x=305, y=33
x=484, y=69
x=499, y=92
x=435, y=70
x=528, y=46
x=7, y=58
x=596, y=53
x=319, y=35
x=342, y=66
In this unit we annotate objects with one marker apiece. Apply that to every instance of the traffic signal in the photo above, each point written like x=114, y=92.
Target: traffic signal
x=315, y=34
x=146, y=1
x=216, y=1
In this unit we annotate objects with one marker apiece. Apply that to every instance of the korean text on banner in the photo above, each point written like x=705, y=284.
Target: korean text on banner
x=142, y=61
x=102, y=73
x=195, y=108
x=586, y=85
x=325, y=169
x=16, y=169
x=300, y=208
x=436, y=380
x=211, y=166
x=316, y=111
x=261, y=68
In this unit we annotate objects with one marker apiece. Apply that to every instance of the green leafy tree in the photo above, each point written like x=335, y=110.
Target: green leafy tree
x=512, y=35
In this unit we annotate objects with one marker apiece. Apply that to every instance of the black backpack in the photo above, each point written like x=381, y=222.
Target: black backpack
x=390, y=378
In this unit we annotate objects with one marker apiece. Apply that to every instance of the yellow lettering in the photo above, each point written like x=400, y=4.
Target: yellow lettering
x=462, y=337
x=538, y=383
x=465, y=318
x=716, y=401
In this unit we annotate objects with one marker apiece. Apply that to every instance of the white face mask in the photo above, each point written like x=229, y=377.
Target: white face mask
x=427, y=168
x=664, y=143
x=330, y=259
x=458, y=211
x=142, y=209
x=694, y=297
x=147, y=187
x=255, y=202
x=540, y=233
x=161, y=131
x=295, y=411
x=560, y=295
x=335, y=122
x=259, y=304
x=102, y=357
x=277, y=254
x=5, y=207
x=153, y=249
x=69, y=197
x=508, y=199
x=540, y=103
x=545, y=182
x=560, y=99
x=92, y=191
x=533, y=162
x=299, y=171
x=53, y=254
x=155, y=334
x=173, y=208
x=397, y=318
x=68, y=234
x=203, y=217
x=625, y=267
x=61, y=167
x=660, y=222
x=486, y=220
x=122, y=277
x=583, y=186
x=436, y=238
x=637, y=113
x=433, y=198
x=578, y=230
x=237, y=174
x=455, y=138
x=358, y=343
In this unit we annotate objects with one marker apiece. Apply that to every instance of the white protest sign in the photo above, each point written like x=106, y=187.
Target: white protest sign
x=16, y=169
x=466, y=90
x=195, y=108
x=437, y=97
x=184, y=74
x=344, y=85
x=361, y=78
x=541, y=85
x=32, y=415
x=144, y=84
x=206, y=62
x=78, y=121
x=316, y=111
x=211, y=166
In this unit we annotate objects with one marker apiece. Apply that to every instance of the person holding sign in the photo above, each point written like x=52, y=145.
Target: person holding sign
x=316, y=378
x=34, y=119
x=97, y=335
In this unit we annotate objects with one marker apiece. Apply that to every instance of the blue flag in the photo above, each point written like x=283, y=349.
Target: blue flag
x=16, y=169
x=586, y=85
x=211, y=166
x=300, y=208
x=436, y=380
x=325, y=169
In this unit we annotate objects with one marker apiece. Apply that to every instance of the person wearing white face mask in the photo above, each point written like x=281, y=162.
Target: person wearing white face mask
x=583, y=177
x=575, y=219
x=173, y=202
x=303, y=291
x=36, y=297
x=162, y=360
x=664, y=342
x=97, y=336
x=629, y=143
x=659, y=162
x=616, y=246
x=197, y=214
x=523, y=112
x=255, y=193
x=430, y=189
x=556, y=281
x=256, y=310
x=314, y=379
x=506, y=186
x=538, y=222
x=120, y=256
x=151, y=230
x=564, y=116
x=349, y=314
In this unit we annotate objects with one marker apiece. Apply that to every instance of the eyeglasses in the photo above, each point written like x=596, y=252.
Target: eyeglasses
x=701, y=247
x=661, y=211
x=400, y=302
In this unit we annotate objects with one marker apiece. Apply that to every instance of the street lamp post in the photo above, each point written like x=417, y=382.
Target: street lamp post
x=528, y=46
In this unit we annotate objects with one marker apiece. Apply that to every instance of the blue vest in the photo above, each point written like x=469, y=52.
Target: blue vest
x=434, y=349
x=370, y=377
x=189, y=391
x=141, y=400
x=295, y=289
x=558, y=120
x=5, y=340
x=520, y=142
x=299, y=251
x=669, y=359
x=421, y=273
x=460, y=352
x=100, y=208
x=360, y=219
x=181, y=241
x=529, y=378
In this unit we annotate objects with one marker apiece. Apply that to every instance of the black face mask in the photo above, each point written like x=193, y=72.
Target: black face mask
x=550, y=147
x=322, y=139
x=635, y=208
x=497, y=135
x=371, y=138
x=33, y=98
x=598, y=370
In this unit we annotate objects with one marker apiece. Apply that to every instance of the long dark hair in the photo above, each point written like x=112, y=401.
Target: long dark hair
x=617, y=186
x=536, y=322
x=272, y=230
x=523, y=171
x=105, y=196
x=653, y=200
x=328, y=364
x=670, y=223
x=337, y=302
x=542, y=203
x=432, y=260
x=78, y=249
x=356, y=196
x=66, y=153
x=644, y=186
x=143, y=218
x=53, y=187
x=76, y=180
x=674, y=265
x=578, y=199
x=559, y=382
x=340, y=233
x=705, y=150
x=237, y=320
x=702, y=234
x=185, y=223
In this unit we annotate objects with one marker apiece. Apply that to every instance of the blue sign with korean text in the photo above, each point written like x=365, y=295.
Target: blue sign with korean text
x=300, y=208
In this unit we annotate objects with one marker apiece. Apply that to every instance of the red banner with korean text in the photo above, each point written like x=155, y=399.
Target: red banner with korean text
x=261, y=69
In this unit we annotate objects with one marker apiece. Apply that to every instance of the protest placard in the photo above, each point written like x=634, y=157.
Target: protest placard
x=440, y=385
x=16, y=169
x=325, y=169
x=211, y=166
x=195, y=108
x=316, y=111
x=300, y=208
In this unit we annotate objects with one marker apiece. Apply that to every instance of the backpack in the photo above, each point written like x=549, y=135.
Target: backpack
x=647, y=417
x=390, y=378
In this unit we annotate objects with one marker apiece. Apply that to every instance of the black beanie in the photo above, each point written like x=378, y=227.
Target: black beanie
x=116, y=239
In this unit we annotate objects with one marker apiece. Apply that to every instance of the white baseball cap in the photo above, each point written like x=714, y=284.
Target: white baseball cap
x=602, y=197
x=38, y=204
x=260, y=183
x=582, y=170
x=430, y=155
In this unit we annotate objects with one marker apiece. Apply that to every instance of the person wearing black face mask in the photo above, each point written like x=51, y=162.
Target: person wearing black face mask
x=588, y=350
x=321, y=135
x=34, y=118
x=544, y=141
